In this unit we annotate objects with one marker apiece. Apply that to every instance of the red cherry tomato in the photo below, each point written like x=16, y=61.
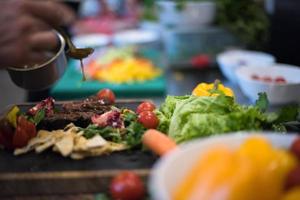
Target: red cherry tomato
x=145, y=106
x=255, y=77
x=20, y=138
x=280, y=79
x=201, y=61
x=267, y=79
x=148, y=119
x=107, y=95
x=127, y=186
x=24, y=132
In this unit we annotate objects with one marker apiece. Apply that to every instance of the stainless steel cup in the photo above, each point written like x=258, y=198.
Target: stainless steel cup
x=41, y=76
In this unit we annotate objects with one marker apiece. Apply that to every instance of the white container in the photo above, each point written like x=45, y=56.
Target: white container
x=170, y=170
x=230, y=61
x=194, y=14
x=91, y=40
x=277, y=93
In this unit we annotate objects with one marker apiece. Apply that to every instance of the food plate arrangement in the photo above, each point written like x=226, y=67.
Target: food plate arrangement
x=40, y=129
x=104, y=136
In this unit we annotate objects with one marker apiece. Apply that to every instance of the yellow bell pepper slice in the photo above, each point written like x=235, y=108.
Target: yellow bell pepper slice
x=212, y=89
x=12, y=116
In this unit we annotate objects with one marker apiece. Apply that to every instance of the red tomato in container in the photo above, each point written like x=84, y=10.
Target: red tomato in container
x=107, y=95
x=148, y=119
x=280, y=79
x=267, y=79
x=145, y=106
x=127, y=186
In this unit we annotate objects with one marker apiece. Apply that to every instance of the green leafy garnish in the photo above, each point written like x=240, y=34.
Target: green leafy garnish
x=287, y=114
x=38, y=117
x=262, y=102
x=134, y=134
x=130, y=135
x=108, y=133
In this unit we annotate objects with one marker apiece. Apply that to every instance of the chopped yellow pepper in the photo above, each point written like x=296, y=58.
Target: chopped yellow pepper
x=212, y=89
x=12, y=116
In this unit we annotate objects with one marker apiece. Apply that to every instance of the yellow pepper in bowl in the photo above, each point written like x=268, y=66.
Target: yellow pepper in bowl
x=212, y=89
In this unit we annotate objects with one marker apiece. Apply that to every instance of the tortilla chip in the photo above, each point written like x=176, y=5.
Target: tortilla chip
x=65, y=145
x=96, y=141
x=80, y=144
x=45, y=146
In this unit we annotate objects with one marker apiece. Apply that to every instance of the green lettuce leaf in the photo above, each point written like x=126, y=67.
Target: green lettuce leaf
x=192, y=117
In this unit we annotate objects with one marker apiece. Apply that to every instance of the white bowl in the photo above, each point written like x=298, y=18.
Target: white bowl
x=137, y=36
x=277, y=93
x=91, y=40
x=230, y=61
x=194, y=14
x=170, y=170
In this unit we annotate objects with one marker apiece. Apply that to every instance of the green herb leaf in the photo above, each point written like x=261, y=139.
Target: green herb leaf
x=39, y=116
x=107, y=133
x=288, y=113
x=134, y=134
x=262, y=102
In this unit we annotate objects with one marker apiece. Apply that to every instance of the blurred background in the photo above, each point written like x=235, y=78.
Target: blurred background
x=150, y=48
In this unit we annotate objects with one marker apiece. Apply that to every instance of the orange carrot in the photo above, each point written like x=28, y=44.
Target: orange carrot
x=158, y=142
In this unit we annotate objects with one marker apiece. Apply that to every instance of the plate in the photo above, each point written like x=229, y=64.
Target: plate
x=49, y=173
x=91, y=40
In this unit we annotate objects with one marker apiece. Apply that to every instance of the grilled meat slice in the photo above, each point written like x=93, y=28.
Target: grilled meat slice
x=78, y=113
x=97, y=106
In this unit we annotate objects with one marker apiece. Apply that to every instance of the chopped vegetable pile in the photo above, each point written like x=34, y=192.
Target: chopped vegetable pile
x=187, y=117
x=122, y=66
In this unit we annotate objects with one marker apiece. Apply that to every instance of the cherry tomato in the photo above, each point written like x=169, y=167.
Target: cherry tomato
x=293, y=178
x=148, y=119
x=127, y=186
x=280, y=79
x=295, y=148
x=145, y=106
x=24, y=132
x=107, y=95
x=255, y=77
x=28, y=126
x=201, y=61
x=267, y=79
x=20, y=138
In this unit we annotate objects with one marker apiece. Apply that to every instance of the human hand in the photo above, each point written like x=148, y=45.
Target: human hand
x=26, y=30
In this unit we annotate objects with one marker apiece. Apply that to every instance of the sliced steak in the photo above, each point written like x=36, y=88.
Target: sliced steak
x=79, y=113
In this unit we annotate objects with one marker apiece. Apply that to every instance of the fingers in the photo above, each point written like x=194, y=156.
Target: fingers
x=37, y=58
x=29, y=24
x=43, y=41
x=51, y=12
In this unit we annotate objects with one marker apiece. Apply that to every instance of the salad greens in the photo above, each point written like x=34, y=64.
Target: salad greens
x=188, y=117
x=130, y=135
